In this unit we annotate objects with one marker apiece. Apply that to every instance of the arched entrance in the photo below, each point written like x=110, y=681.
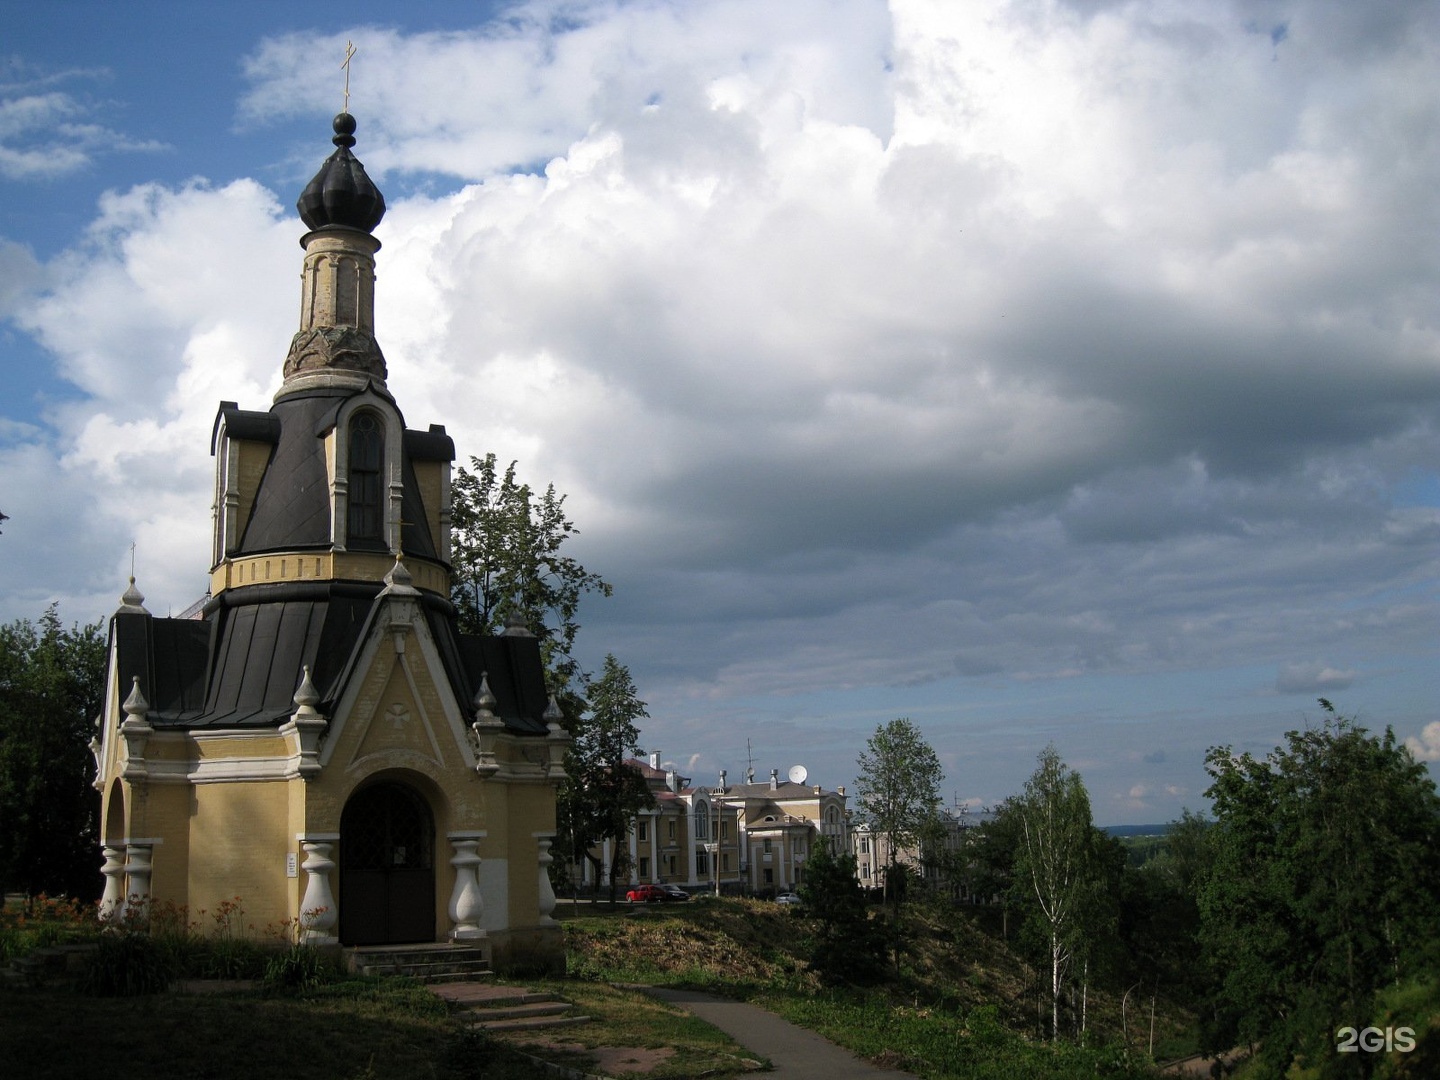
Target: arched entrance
x=387, y=867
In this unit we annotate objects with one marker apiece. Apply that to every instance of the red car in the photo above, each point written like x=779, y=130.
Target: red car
x=645, y=894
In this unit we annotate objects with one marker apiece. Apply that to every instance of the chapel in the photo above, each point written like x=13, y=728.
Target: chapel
x=319, y=740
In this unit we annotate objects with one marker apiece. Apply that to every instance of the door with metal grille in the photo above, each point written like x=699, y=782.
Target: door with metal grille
x=387, y=867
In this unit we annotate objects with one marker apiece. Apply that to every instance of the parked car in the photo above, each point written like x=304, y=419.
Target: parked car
x=645, y=894
x=788, y=898
x=674, y=892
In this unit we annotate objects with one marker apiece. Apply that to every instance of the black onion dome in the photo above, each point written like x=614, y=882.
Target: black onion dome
x=341, y=193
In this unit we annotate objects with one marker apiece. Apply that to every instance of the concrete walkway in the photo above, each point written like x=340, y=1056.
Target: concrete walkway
x=796, y=1053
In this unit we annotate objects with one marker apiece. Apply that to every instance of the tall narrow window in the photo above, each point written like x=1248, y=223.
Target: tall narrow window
x=367, y=457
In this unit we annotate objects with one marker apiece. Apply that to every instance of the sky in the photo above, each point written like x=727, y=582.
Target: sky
x=1044, y=372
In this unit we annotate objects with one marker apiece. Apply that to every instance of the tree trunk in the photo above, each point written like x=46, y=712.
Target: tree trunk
x=1054, y=986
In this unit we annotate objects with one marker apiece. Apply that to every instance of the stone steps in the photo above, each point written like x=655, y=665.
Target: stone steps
x=499, y=1009
x=433, y=964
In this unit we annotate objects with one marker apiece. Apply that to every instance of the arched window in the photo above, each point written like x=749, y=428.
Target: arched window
x=367, y=460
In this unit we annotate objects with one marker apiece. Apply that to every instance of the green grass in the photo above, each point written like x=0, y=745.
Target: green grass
x=953, y=1011
x=961, y=1006
x=364, y=1030
x=630, y=1018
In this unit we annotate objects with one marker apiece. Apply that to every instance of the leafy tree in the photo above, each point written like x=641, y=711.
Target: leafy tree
x=505, y=553
x=847, y=947
x=1160, y=913
x=1058, y=865
x=51, y=690
x=603, y=792
x=991, y=865
x=898, y=790
x=1325, y=887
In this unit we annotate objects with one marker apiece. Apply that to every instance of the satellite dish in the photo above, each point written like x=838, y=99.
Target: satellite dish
x=797, y=774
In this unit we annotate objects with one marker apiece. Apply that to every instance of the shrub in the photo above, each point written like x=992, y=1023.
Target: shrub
x=297, y=967
x=127, y=965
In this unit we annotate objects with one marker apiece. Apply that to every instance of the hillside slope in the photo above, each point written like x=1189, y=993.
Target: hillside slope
x=950, y=966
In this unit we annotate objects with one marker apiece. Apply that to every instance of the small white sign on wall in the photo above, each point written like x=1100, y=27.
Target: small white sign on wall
x=292, y=868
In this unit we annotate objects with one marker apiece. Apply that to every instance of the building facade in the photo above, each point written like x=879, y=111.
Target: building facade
x=321, y=741
x=781, y=822
x=750, y=838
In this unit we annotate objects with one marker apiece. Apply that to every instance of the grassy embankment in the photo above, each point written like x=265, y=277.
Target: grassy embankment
x=961, y=1005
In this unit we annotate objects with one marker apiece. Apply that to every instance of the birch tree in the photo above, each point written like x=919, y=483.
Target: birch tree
x=1056, y=862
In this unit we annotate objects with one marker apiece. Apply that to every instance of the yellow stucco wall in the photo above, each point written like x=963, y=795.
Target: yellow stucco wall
x=251, y=462
x=238, y=839
x=223, y=820
x=275, y=567
x=427, y=477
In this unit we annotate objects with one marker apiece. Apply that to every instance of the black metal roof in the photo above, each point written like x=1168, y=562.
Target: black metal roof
x=240, y=665
x=292, y=505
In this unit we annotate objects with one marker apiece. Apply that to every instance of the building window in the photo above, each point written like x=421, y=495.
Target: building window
x=724, y=830
x=644, y=868
x=672, y=865
x=702, y=825
x=767, y=845
x=702, y=863
x=671, y=824
x=642, y=831
x=865, y=847
x=769, y=877
x=364, y=497
x=725, y=862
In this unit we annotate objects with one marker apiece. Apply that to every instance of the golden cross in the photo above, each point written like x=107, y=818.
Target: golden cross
x=349, y=55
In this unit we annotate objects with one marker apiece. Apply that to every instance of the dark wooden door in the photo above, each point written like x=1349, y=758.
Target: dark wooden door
x=387, y=867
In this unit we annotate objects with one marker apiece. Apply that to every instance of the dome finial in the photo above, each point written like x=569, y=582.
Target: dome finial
x=341, y=193
x=344, y=125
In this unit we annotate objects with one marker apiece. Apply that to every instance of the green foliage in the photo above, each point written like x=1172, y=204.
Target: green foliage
x=298, y=967
x=1159, y=909
x=51, y=691
x=1325, y=887
x=128, y=963
x=847, y=947
x=602, y=794
x=973, y=1045
x=898, y=789
x=506, y=558
x=1061, y=872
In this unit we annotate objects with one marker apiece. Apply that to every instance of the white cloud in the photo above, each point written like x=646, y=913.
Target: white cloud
x=871, y=351
x=147, y=321
x=1312, y=677
x=40, y=136
x=1427, y=746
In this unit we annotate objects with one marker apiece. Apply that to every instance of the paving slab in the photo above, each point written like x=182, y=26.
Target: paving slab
x=473, y=993
x=795, y=1053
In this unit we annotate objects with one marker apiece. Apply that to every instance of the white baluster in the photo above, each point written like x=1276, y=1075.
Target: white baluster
x=467, y=906
x=547, y=893
x=138, y=868
x=318, y=912
x=113, y=899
